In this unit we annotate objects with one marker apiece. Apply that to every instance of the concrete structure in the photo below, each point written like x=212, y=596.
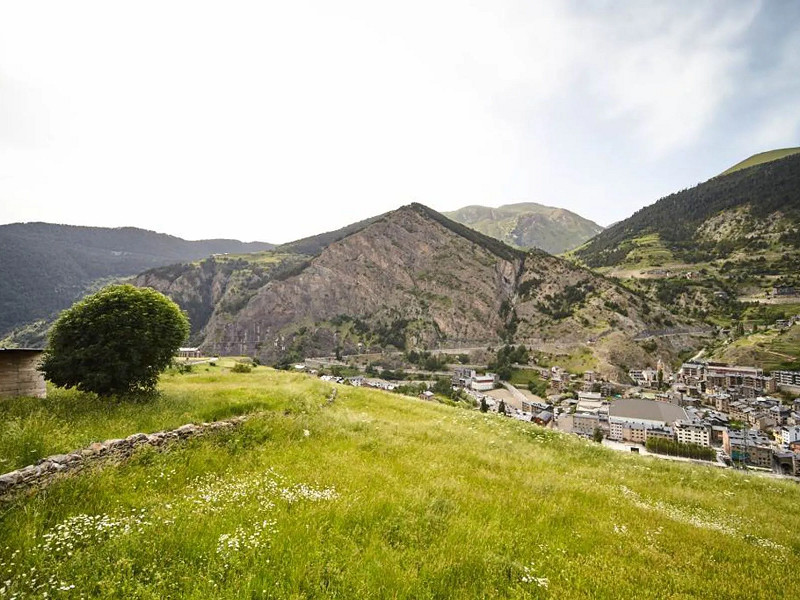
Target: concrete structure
x=20, y=374
x=469, y=378
x=622, y=414
x=687, y=432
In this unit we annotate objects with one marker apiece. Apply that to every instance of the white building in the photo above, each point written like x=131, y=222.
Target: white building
x=483, y=383
x=790, y=434
x=688, y=432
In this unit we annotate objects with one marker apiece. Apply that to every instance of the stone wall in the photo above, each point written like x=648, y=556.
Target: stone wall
x=47, y=469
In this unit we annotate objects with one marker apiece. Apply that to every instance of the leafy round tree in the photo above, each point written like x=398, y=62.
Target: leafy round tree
x=115, y=341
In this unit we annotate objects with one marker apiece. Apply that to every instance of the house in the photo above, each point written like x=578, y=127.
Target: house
x=188, y=353
x=20, y=374
x=544, y=418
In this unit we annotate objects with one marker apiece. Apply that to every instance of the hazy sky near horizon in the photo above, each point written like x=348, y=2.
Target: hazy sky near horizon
x=275, y=120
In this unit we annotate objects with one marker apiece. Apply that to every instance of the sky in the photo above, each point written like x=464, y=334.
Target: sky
x=272, y=121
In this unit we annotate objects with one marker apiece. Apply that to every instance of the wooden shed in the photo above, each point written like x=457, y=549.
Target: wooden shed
x=20, y=374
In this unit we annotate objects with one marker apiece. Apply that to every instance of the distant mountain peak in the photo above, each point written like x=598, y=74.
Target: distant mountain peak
x=529, y=225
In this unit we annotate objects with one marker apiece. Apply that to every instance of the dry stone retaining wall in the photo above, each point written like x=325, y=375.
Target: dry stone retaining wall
x=47, y=469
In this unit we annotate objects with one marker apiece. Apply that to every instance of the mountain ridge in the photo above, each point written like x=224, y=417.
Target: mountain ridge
x=47, y=266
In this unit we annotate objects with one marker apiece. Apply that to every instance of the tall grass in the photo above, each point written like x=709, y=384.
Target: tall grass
x=378, y=495
x=32, y=428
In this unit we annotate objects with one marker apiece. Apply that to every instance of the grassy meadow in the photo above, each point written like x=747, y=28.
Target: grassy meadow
x=380, y=495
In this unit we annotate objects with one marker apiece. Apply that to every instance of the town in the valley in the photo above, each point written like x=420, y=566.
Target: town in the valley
x=727, y=415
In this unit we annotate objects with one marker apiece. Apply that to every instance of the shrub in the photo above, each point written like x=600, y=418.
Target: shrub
x=115, y=341
x=241, y=368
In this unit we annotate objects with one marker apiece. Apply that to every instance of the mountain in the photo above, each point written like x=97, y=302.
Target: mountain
x=750, y=210
x=529, y=225
x=46, y=267
x=712, y=250
x=761, y=158
x=413, y=278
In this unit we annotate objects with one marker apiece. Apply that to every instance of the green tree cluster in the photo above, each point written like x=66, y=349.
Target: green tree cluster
x=506, y=357
x=673, y=448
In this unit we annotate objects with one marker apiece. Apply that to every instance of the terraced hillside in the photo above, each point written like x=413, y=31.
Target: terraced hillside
x=376, y=495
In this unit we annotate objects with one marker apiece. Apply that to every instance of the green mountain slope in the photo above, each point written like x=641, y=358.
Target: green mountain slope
x=761, y=158
x=380, y=496
x=743, y=203
x=45, y=267
x=734, y=237
x=529, y=225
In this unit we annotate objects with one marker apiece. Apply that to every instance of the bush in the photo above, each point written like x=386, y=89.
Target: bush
x=241, y=368
x=118, y=340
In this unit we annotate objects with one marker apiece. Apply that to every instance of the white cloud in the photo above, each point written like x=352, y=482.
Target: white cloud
x=277, y=120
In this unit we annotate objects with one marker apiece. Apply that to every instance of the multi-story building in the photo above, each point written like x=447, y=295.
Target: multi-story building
x=751, y=447
x=750, y=380
x=663, y=434
x=585, y=423
x=647, y=378
x=648, y=414
x=787, y=378
x=789, y=435
x=702, y=377
x=692, y=375
x=693, y=432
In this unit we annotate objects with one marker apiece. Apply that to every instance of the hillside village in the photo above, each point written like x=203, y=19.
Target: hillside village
x=731, y=415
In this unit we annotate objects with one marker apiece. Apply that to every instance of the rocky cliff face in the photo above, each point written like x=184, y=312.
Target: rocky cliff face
x=218, y=286
x=412, y=278
x=405, y=279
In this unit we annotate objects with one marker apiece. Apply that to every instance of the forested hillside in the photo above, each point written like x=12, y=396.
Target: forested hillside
x=45, y=267
x=766, y=191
